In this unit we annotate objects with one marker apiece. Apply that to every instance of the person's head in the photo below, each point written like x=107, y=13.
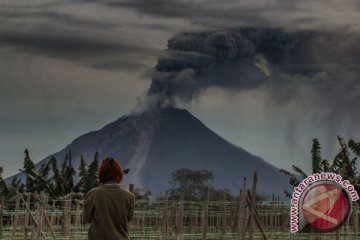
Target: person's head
x=110, y=170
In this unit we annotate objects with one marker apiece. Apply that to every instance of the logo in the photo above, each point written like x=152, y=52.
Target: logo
x=321, y=202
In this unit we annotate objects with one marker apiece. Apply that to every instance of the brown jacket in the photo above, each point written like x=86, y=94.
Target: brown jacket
x=108, y=208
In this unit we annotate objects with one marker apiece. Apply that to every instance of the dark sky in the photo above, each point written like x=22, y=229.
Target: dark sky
x=69, y=67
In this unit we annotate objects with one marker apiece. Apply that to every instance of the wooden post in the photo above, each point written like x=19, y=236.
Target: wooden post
x=272, y=211
x=33, y=218
x=65, y=218
x=196, y=218
x=26, y=220
x=131, y=188
x=143, y=222
x=173, y=220
x=53, y=215
x=190, y=212
x=256, y=216
x=78, y=217
x=180, y=217
x=165, y=216
x=206, y=214
x=241, y=212
x=252, y=207
x=223, y=217
x=356, y=219
x=337, y=235
x=42, y=202
x=35, y=230
x=77, y=220
x=2, y=208
x=43, y=215
x=277, y=213
x=16, y=217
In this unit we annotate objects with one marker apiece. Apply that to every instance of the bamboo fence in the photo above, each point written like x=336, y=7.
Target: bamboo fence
x=35, y=216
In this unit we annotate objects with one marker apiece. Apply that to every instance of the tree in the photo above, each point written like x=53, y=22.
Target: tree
x=92, y=180
x=36, y=181
x=57, y=178
x=29, y=168
x=4, y=191
x=190, y=183
x=67, y=174
x=316, y=156
x=343, y=164
x=355, y=147
x=14, y=187
x=9, y=191
x=220, y=194
x=70, y=173
x=318, y=165
x=83, y=175
x=41, y=178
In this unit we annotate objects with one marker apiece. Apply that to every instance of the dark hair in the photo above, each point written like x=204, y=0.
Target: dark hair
x=110, y=170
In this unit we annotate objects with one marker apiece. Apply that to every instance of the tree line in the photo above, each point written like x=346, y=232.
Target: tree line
x=60, y=182
x=185, y=183
x=57, y=182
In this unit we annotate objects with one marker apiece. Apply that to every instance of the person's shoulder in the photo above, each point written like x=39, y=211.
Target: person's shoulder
x=128, y=193
x=93, y=190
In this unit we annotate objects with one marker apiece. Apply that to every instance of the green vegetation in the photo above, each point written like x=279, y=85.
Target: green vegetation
x=344, y=164
x=186, y=184
x=49, y=178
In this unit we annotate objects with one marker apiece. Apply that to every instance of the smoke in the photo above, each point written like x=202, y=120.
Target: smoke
x=316, y=70
x=239, y=59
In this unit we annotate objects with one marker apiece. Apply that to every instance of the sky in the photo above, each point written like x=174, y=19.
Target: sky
x=70, y=67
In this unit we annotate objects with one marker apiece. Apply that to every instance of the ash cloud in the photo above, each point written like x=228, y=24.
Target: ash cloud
x=96, y=53
x=282, y=63
x=314, y=14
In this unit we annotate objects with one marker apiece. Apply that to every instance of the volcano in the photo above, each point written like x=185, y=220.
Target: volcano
x=154, y=144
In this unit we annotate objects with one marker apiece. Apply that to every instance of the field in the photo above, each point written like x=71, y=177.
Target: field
x=42, y=218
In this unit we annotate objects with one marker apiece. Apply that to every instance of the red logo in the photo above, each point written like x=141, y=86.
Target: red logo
x=325, y=206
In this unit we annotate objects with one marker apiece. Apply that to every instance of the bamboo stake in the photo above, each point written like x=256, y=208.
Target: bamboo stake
x=356, y=220
x=53, y=215
x=190, y=212
x=180, y=217
x=252, y=207
x=78, y=217
x=131, y=188
x=41, y=214
x=223, y=217
x=271, y=214
x=241, y=211
x=277, y=215
x=34, y=231
x=205, y=215
x=26, y=220
x=196, y=223
x=45, y=217
x=16, y=217
x=66, y=222
x=249, y=201
x=143, y=222
x=165, y=216
x=28, y=209
x=77, y=220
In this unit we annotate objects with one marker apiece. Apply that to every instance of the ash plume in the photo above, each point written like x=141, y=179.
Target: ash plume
x=241, y=59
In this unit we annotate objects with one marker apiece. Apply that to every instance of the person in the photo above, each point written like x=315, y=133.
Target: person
x=108, y=207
